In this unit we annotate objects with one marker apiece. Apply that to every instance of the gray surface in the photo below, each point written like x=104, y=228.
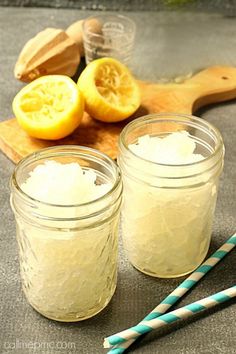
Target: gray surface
x=223, y=6
x=210, y=333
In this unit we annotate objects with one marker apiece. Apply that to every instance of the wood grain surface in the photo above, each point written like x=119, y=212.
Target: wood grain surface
x=212, y=85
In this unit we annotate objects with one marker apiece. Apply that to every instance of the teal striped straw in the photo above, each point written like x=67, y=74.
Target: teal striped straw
x=122, y=342
x=173, y=316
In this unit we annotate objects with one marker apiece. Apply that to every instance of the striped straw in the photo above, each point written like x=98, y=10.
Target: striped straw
x=173, y=316
x=182, y=289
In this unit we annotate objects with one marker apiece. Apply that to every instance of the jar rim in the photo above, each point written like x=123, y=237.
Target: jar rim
x=65, y=149
x=169, y=116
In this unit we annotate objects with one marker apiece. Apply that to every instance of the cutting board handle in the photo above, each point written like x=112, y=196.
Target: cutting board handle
x=214, y=84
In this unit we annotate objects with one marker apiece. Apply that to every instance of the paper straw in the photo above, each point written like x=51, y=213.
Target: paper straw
x=182, y=289
x=173, y=316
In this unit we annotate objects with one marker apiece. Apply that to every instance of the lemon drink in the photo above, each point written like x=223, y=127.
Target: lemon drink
x=67, y=229
x=170, y=188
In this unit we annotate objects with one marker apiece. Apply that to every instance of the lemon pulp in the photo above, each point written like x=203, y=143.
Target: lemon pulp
x=50, y=107
x=114, y=85
x=111, y=93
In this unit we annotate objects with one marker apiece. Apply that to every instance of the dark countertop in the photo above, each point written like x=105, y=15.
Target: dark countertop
x=167, y=44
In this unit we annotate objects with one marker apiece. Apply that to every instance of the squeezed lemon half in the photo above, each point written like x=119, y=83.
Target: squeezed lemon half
x=51, y=107
x=111, y=93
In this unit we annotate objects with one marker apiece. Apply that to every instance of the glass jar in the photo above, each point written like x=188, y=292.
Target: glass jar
x=168, y=210
x=108, y=35
x=68, y=253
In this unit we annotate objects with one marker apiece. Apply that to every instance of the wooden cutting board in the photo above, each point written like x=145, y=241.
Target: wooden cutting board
x=214, y=84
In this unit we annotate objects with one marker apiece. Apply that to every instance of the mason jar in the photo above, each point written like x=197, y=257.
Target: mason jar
x=168, y=210
x=68, y=253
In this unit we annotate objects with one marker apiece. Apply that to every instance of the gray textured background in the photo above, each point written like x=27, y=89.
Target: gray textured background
x=167, y=44
x=223, y=6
